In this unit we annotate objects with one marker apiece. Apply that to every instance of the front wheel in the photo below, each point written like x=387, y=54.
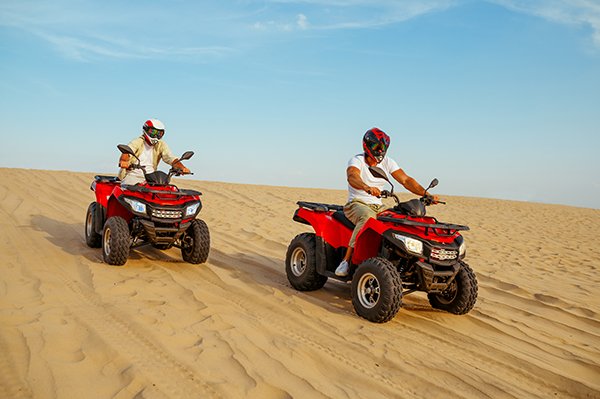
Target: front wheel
x=377, y=290
x=461, y=294
x=196, y=242
x=301, y=263
x=92, y=238
x=115, y=241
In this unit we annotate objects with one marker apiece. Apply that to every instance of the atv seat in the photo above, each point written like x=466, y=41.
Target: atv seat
x=106, y=179
x=340, y=217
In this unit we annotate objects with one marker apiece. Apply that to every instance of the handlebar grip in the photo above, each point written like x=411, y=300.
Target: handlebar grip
x=385, y=194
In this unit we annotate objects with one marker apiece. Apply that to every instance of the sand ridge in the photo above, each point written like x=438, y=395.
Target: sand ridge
x=72, y=326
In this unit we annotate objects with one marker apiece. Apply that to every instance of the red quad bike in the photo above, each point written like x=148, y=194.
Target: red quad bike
x=156, y=213
x=399, y=252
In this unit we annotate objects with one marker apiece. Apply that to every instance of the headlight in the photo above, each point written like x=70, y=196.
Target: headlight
x=136, y=206
x=192, y=209
x=462, y=249
x=412, y=245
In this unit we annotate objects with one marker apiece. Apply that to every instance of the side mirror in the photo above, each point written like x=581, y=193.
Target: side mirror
x=433, y=183
x=186, y=155
x=125, y=149
x=378, y=172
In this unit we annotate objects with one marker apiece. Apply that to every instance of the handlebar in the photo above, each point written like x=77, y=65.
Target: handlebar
x=178, y=172
x=428, y=200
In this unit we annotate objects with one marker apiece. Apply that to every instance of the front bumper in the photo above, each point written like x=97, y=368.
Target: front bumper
x=435, y=279
x=160, y=233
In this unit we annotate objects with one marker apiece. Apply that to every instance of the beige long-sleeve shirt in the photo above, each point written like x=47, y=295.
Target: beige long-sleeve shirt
x=159, y=151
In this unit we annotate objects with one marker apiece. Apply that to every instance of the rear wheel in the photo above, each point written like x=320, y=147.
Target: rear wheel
x=115, y=241
x=377, y=290
x=196, y=242
x=92, y=238
x=301, y=264
x=461, y=294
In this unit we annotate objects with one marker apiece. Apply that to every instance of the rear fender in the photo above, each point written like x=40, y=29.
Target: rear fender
x=329, y=229
x=102, y=190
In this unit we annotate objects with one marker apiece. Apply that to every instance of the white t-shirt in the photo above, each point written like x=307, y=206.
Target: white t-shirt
x=135, y=176
x=388, y=165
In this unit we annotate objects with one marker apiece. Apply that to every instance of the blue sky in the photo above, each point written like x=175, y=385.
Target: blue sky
x=496, y=98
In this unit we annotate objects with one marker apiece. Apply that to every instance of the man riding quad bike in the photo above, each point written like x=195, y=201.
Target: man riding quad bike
x=393, y=252
x=155, y=212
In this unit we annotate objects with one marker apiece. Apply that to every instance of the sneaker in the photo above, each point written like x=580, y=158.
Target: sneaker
x=342, y=269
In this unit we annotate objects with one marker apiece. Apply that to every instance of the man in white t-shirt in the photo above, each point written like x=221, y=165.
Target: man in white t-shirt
x=150, y=149
x=364, y=189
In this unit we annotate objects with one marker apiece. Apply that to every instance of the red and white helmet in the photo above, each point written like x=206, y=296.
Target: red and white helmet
x=376, y=143
x=153, y=130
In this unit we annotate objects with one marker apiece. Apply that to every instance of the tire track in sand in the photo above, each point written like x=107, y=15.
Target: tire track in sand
x=267, y=318
x=167, y=375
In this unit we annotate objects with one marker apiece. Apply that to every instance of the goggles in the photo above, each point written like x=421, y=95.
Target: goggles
x=155, y=133
x=377, y=148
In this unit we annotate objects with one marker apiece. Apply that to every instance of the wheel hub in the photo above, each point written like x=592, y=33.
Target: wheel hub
x=368, y=290
x=107, y=242
x=298, y=261
x=88, y=225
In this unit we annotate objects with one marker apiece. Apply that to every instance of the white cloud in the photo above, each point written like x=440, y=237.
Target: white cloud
x=302, y=21
x=568, y=12
x=78, y=34
x=74, y=29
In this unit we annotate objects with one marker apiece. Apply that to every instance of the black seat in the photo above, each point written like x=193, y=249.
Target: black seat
x=340, y=217
x=106, y=179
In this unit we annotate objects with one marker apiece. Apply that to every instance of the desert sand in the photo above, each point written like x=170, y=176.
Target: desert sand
x=72, y=326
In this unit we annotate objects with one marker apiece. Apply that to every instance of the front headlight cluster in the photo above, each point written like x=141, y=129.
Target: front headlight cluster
x=136, y=206
x=192, y=209
x=412, y=245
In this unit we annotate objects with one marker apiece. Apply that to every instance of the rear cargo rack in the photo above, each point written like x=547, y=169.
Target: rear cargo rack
x=319, y=207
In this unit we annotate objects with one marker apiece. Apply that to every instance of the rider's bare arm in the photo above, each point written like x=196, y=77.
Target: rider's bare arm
x=411, y=184
x=353, y=176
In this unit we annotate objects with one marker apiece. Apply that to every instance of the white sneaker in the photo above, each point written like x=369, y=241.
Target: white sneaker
x=342, y=269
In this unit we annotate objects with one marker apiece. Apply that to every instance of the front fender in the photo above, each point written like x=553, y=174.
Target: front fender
x=115, y=208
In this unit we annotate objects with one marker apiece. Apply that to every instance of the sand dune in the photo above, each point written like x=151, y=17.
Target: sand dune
x=74, y=327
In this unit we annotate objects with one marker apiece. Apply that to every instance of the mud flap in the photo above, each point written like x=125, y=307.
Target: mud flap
x=321, y=256
x=99, y=213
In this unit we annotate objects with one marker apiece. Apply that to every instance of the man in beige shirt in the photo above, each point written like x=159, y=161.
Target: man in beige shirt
x=150, y=149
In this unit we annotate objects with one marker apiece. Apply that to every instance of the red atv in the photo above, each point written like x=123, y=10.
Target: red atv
x=400, y=252
x=156, y=213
